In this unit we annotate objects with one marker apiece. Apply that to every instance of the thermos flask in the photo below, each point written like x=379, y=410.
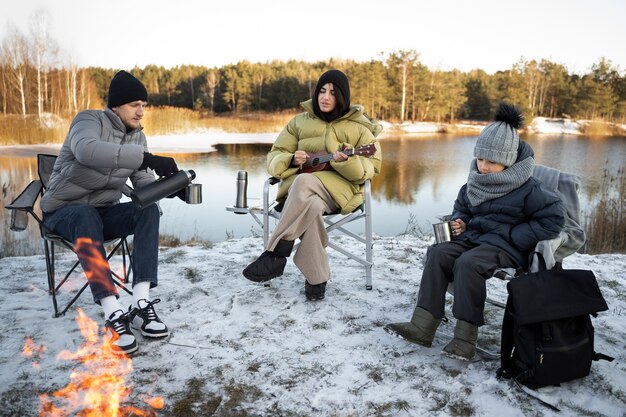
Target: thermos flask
x=161, y=188
x=242, y=190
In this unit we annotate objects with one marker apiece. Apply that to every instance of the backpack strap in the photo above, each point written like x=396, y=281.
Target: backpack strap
x=602, y=357
x=506, y=343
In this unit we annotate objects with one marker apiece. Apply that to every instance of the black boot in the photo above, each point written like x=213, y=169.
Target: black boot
x=314, y=292
x=270, y=264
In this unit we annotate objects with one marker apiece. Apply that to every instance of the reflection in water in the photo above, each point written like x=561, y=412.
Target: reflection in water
x=420, y=177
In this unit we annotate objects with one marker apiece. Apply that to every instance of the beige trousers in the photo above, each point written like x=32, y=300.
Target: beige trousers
x=302, y=219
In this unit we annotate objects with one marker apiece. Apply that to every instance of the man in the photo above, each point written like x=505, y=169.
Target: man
x=102, y=150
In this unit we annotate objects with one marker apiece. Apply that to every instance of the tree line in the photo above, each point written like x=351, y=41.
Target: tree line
x=36, y=79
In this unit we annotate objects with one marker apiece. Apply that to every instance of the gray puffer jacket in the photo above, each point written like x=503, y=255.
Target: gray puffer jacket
x=95, y=161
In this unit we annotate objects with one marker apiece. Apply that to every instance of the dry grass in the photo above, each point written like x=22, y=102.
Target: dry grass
x=606, y=224
x=18, y=130
x=597, y=128
x=167, y=120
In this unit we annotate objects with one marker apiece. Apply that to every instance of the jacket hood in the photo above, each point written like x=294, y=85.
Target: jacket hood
x=355, y=114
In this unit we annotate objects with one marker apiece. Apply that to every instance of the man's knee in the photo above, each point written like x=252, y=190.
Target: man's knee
x=151, y=213
x=85, y=217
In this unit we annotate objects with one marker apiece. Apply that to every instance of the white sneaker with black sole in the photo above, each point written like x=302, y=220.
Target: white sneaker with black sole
x=117, y=327
x=146, y=320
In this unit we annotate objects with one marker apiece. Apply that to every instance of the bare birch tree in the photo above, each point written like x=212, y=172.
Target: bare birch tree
x=15, y=55
x=42, y=46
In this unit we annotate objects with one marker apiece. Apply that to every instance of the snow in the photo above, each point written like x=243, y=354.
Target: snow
x=555, y=126
x=264, y=350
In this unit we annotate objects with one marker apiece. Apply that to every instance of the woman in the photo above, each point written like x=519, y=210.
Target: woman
x=500, y=216
x=329, y=125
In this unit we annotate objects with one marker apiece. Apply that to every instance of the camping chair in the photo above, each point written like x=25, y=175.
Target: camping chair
x=570, y=239
x=335, y=223
x=24, y=205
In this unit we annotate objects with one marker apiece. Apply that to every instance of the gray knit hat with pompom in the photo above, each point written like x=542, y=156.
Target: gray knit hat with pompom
x=498, y=142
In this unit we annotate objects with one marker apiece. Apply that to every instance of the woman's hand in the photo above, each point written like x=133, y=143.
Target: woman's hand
x=457, y=227
x=339, y=156
x=299, y=158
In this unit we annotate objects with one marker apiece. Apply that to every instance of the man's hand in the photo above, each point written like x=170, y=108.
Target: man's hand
x=163, y=166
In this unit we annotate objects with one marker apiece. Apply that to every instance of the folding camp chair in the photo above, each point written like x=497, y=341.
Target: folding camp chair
x=24, y=205
x=335, y=223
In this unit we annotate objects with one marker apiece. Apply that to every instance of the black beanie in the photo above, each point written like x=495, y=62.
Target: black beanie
x=341, y=83
x=125, y=88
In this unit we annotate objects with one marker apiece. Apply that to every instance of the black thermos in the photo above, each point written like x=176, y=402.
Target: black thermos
x=162, y=188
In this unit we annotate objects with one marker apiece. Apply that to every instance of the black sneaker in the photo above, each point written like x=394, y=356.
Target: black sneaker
x=267, y=266
x=123, y=338
x=314, y=292
x=145, y=319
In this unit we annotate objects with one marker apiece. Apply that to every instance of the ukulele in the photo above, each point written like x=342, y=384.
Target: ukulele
x=319, y=161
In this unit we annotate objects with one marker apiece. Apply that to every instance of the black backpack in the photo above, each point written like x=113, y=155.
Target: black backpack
x=547, y=335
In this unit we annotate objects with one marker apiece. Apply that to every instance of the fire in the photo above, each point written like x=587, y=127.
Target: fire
x=99, y=268
x=98, y=388
x=30, y=350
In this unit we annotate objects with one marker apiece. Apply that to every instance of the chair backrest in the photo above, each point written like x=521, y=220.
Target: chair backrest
x=45, y=164
x=567, y=186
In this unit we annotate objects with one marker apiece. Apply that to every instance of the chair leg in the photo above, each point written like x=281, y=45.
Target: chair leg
x=368, y=237
x=49, y=252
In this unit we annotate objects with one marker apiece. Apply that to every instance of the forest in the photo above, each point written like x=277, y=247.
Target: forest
x=37, y=78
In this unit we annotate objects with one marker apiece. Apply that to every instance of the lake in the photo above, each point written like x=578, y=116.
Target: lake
x=420, y=178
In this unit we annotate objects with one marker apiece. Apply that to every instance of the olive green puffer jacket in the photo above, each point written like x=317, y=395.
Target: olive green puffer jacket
x=311, y=134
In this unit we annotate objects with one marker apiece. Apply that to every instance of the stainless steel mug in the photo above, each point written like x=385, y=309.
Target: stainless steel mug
x=242, y=190
x=193, y=194
x=19, y=220
x=443, y=232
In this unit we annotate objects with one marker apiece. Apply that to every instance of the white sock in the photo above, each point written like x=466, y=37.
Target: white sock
x=110, y=305
x=141, y=291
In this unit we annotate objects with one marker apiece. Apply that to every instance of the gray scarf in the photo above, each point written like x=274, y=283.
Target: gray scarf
x=485, y=187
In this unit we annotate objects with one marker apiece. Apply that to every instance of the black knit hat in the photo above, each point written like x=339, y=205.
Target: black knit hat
x=125, y=88
x=340, y=82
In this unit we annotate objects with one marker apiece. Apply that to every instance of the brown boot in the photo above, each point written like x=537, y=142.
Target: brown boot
x=420, y=330
x=463, y=346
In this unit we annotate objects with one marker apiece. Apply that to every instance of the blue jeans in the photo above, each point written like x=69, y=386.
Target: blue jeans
x=99, y=224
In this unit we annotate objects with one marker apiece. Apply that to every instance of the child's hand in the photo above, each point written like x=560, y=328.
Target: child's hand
x=457, y=226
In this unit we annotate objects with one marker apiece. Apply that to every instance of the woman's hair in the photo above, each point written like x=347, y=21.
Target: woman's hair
x=342, y=95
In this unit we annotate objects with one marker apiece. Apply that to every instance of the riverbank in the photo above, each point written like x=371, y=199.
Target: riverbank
x=174, y=121
x=239, y=348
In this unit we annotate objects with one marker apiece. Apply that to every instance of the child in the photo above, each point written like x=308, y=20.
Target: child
x=500, y=214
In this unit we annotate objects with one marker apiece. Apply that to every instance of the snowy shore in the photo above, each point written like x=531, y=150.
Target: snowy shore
x=252, y=350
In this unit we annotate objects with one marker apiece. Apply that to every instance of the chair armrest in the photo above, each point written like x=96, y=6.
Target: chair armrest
x=27, y=198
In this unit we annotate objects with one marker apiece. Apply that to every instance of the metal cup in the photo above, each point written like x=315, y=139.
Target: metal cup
x=19, y=220
x=193, y=194
x=443, y=232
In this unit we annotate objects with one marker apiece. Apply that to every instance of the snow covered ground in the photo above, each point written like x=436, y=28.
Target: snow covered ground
x=242, y=349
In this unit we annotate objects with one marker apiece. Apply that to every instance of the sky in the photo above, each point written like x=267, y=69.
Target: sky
x=488, y=34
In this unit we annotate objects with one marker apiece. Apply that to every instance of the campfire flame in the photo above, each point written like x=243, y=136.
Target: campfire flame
x=99, y=269
x=99, y=388
x=31, y=349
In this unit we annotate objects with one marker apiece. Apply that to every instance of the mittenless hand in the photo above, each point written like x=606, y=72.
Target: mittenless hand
x=457, y=226
x=164, y=166
x=339, y=156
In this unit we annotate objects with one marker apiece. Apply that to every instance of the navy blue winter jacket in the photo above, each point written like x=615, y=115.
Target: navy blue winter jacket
x=514, y=222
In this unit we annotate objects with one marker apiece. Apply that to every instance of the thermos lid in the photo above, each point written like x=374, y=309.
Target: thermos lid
x=191, y=174
x=242, y=175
